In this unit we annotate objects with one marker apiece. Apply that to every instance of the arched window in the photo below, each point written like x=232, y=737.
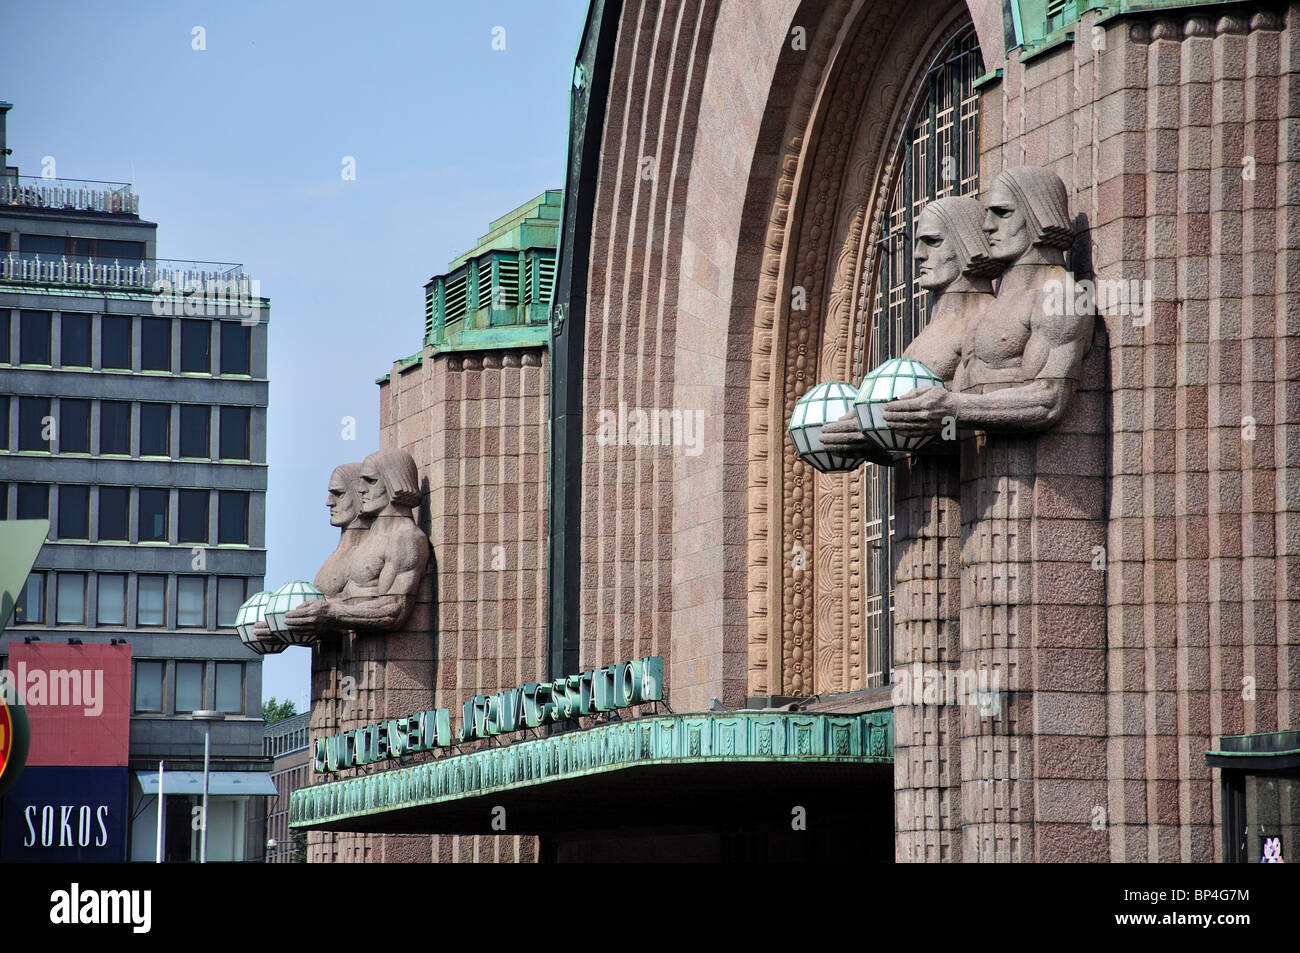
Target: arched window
x=937, y=156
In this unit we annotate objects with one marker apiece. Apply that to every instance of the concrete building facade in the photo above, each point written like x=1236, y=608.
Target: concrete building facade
x=133, y=417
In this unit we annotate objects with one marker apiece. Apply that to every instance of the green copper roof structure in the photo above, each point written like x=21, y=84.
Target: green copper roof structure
x=498, y=294
x=1034, y=26
x=648, y=767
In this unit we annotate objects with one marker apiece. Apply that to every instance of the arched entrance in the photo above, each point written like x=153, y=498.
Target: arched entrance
x=885, y=120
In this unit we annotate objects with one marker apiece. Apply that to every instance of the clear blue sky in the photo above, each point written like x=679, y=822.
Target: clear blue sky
x=236, y=152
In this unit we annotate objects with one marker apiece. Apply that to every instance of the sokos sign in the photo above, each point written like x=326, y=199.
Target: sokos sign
x=66, y=814
x=485, y=716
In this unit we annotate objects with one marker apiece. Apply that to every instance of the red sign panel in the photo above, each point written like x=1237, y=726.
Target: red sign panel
x=78, y=701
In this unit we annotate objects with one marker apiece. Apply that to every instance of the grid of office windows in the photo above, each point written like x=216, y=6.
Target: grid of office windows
x=181, y=600
x=168, y=686
x=126, y=428
x=74, y=332
x=70, y=509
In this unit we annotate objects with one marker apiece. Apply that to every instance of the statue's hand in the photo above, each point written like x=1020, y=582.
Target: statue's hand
x=845, y=438
x=921, y=410
x=309, y=615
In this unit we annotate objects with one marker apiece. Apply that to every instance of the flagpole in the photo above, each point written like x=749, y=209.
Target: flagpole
x=158, y=858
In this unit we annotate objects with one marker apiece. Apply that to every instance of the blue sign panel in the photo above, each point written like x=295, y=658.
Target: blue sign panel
x=64, y=814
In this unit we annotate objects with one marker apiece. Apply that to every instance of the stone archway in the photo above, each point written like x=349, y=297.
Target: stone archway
x=851, y=100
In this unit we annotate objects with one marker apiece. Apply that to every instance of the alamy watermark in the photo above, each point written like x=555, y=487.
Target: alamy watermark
x=657, y=427
x=1125, y=298
x=57, y=687
x=976, y=688
x=209, y=298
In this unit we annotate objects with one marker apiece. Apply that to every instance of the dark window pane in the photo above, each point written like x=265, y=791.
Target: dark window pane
x=34, y=338
x=155, y=430
x=31, y=601
x=230, y=596
x=151, y=600
x=234, y=348
x=70, y=599
x=4, y=501
x=74, y=350
x=33, y=501
x=232, y=517
x=43, y=244
x=115, y=427
x=4, y=422
x=156, y=344
x=34, y=423
x=114, y=511
x=234, y=433
x=74, y=426
x=196, y=346
x=193, y=516
x=148, y=687
x=153, y=515
x=194, y=430
x=191, y=594
x=112, y=249
x=230, y=687
x=115, y=342
x=4, y=337
x=112, y=600
x=189, y=686
x=74, y=512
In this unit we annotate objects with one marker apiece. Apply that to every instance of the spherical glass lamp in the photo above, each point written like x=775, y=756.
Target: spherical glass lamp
x=250, y=613
x=891, y=380
x=824, y=404
x=287, y=597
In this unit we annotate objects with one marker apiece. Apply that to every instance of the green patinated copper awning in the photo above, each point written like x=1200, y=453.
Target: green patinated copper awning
x=1267, y=751
x=643, y=772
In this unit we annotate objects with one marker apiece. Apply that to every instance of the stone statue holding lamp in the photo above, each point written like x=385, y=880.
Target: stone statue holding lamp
x=1011, y=360
x=370, y=581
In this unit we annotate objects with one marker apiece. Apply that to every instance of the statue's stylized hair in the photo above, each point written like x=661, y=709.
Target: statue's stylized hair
x=1040, y=194
x=398, y=473
x=348, y=472
x=963, y=220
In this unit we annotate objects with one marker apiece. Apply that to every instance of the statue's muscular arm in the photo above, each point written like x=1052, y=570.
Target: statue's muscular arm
x=1050, y=365
x=389, y=603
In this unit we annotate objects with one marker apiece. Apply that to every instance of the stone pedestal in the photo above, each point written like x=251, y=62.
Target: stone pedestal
x=927, y=762
x=360, y=679
x=1033, y=578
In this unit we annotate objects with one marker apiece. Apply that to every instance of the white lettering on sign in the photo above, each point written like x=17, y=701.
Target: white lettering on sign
x=84, y=836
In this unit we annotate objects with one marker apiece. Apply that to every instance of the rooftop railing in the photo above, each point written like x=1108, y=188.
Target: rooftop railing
x=77, y=195
x=131, y=275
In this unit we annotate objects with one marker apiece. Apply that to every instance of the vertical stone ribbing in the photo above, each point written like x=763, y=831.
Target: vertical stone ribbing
x=927, y=730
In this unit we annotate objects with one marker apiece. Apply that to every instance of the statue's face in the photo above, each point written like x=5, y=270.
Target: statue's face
x=374, y=497
x=1006, y=225
x=938, y=262
x=342, y=501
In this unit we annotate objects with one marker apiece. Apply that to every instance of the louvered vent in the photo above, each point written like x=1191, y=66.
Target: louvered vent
x=508, y=280
x=483, y=292
x=430, y=310
x=545, y=277
x=457, y=293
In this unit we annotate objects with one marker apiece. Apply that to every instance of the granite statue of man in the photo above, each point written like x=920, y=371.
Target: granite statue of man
x=955, y=265
x=1021, y=357
x=343, y=499
x=378, y=575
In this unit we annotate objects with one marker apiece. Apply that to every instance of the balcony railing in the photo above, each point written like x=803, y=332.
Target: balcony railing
x=79, y=270
x=70, y=194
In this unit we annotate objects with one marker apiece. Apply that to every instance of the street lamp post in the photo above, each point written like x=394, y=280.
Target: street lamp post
x=207, y=716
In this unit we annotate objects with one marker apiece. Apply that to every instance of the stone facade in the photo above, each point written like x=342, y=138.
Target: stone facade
x=475, y=423
x=1174, y=473
x=1132, y=575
